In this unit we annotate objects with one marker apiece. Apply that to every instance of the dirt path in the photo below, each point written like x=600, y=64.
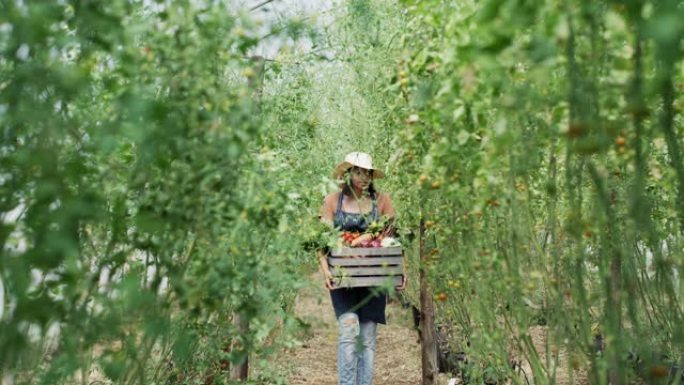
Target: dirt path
x=397, y=360
x=398, y=349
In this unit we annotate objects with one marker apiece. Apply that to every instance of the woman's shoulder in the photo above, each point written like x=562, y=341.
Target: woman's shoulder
x=332, y=198
x=382, y=196
x=385, y=204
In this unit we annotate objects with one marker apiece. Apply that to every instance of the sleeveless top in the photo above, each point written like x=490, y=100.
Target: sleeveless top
x=354, y=221
x=368, y=303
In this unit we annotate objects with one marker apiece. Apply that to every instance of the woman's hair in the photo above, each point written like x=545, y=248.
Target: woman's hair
x=347, y=188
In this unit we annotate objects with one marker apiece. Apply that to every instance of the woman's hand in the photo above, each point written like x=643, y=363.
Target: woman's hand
x=329, y=279
x=325, y=269
x=404, y=278
x=402, y=286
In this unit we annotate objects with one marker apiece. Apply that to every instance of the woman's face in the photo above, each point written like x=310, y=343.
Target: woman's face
x=360, y=178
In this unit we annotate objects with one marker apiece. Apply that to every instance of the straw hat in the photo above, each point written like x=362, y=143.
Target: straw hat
x=358, y=159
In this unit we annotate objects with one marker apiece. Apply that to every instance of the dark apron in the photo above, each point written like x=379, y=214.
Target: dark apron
x=367, y=302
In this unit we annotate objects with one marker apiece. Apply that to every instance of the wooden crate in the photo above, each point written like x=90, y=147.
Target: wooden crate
x=366, y=266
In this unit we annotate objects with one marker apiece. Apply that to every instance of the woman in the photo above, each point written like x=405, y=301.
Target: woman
x=358, y=310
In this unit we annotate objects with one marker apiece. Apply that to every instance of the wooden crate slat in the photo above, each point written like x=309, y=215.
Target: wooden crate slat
x=367, y=251
x=365, y=261
x=356, y=271
x=368, y=281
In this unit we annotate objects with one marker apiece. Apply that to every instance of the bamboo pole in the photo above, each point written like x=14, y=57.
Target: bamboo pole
x=427, y=317
x=240, y=372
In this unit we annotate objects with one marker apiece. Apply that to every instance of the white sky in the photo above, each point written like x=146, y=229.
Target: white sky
x=316, y=10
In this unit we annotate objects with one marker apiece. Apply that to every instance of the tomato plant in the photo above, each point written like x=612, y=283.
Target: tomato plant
x=158, y=180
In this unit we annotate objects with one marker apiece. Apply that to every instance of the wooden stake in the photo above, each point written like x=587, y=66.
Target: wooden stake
x=240, y=372
x=428, y=347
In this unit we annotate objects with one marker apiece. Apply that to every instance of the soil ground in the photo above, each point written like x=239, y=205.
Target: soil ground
x=314, y=360
x=397, y=359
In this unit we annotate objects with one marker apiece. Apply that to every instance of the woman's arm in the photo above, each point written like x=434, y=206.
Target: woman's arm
x=327, y=211
x=326, y=215
x=325, y=269
x=385, y=206
x=386, y=209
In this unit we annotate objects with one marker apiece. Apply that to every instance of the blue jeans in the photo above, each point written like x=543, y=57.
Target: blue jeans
x=355, y=350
